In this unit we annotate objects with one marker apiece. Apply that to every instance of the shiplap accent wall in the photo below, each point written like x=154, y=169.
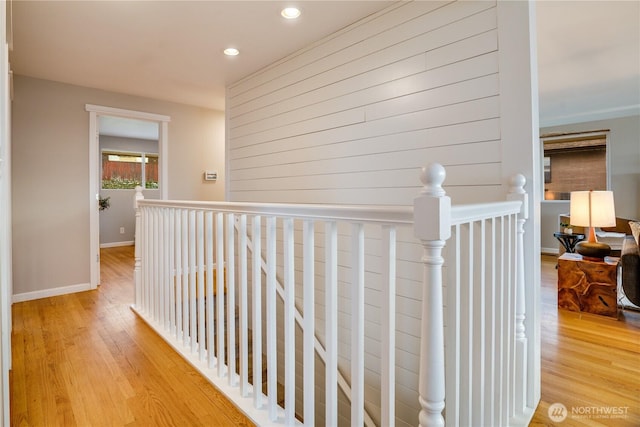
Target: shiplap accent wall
x=352, y=119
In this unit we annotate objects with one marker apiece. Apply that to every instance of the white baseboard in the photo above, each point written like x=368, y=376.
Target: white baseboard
x=550, y=251
x=116, y=244
x=54, y=292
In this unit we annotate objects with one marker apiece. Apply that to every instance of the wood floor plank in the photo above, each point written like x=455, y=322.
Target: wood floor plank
x=18, y=380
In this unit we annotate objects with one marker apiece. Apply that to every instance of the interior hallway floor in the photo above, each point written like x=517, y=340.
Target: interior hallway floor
x=590, y=363
x=85, y=359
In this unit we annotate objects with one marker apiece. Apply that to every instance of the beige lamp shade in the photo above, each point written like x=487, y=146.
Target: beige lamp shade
x=592, y=209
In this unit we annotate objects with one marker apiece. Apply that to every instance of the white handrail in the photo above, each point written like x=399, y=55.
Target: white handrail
x=461, y=214
x=365, y=214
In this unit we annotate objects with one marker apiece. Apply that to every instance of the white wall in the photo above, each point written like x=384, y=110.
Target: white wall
x=51, y=175
x=353, y=118
x=624, y=155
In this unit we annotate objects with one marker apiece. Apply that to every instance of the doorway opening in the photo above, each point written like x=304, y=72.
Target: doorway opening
x=132, y=146
x=129, y=157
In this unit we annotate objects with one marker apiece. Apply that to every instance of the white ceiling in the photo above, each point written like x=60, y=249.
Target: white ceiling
x=589, y=51
x=588, y=60
x=169, y=50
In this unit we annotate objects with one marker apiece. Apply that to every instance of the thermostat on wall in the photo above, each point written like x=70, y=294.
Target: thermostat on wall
x=210, y=175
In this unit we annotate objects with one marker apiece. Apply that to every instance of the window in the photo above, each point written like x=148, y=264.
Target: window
x=574, y=162
x=124, y=170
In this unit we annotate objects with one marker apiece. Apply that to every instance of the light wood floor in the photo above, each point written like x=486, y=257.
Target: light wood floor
x=589, y=362
x=85, y=359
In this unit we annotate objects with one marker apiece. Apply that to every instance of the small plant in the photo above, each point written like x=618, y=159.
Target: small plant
x=119, y=183
x=104, y=203
x=566, y=228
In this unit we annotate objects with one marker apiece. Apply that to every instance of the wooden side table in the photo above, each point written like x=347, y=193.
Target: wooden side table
x=588, y=286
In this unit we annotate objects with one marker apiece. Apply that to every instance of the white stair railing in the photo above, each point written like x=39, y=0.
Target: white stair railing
x=207, y=273
x=480, y=351
x=287, y=295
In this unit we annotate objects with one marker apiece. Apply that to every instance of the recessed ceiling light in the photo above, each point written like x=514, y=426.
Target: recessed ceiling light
x=231, y=51
x=290, y=12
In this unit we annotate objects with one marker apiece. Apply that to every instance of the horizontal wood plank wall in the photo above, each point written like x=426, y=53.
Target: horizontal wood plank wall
x=352, y=119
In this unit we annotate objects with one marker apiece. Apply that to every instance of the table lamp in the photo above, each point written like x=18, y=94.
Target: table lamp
x=592, y=209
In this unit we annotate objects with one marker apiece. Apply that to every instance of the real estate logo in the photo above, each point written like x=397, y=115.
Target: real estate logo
x=557, y=412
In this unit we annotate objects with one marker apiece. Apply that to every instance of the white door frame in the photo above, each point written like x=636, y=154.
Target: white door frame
x=95, y=111
x=6, y=275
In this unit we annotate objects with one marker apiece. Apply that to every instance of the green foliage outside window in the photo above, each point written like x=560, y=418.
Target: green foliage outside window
x=124, y=171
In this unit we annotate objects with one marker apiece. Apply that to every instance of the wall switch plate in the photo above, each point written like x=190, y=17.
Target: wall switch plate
x=121, y=230
x=210, y=175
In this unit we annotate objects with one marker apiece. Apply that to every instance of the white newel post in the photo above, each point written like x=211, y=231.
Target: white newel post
x=432, y=225
x=137, y=269
x=517, y=192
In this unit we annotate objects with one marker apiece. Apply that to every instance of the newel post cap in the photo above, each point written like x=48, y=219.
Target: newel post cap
x=432, y=208
x=517, y=192
x=138, y=196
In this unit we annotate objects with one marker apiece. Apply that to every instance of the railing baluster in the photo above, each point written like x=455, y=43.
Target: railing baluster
x=388, y=326
x=170, y=281
x=137, y=248
x=491, y=308
x=186, y=303
x=151, y=294
x=357, y=324
x=157, y=256
x=498, y=298
x=177, y=254
x=272, y=351
x=155, y=286
x=289, y=322
x=452, y=330
x=150, y=264
x=331, y=319
x=509, y=321
x=466, y=332
x=219, y=274
x=200, y=283
x=243, y=308
x=164, y=292
x=159, y=259
x=230, y=280
x=256, y=280
x=500, y=342
x=478, y=373
x=144, y=267
x=210, y=328
x=309, y=322
x=164, y=267
x=192, y=282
